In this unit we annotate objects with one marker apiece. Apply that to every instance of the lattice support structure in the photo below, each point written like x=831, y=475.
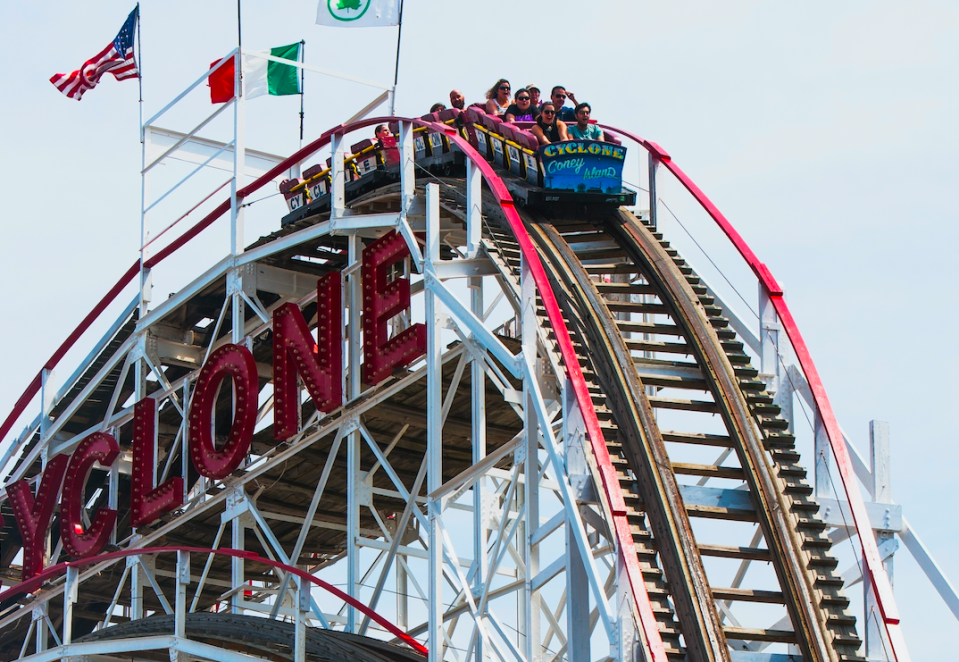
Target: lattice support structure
x=489, y=476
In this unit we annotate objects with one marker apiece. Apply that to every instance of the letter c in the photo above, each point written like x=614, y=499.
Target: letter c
x=79, y=543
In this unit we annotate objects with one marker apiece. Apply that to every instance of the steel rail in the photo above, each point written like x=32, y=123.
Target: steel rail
x=772, y=504
x=608, y=476
x=870, y=550
x=663, y=504
x=54, y=571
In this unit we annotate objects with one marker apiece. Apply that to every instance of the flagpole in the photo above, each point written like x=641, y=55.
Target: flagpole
x=143, y=176
x=396, y=73
x=302, y=85
x=139, y=64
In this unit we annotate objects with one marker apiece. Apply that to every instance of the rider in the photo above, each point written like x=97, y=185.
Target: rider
x=522, y=110
x=497, y=98
x=583, y=130
x=558, y=97
x=548, y=129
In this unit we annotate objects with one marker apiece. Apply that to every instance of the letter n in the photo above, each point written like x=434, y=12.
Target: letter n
x=237, y=362
x=149, y=503
x=320, y=363
x=81, y=542
x=33, y=515
x=381, y=301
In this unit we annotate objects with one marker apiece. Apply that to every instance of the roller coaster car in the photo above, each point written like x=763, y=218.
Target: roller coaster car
x=576, y=179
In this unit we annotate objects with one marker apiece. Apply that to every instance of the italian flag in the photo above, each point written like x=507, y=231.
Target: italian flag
x=260, y=76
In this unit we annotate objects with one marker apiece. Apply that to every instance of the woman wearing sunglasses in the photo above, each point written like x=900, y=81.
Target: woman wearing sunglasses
x=522, y=109
x=548, y=129
x=497, y=99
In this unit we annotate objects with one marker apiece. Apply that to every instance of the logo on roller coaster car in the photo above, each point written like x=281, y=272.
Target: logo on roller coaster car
x=584, y=166
x=348, y=10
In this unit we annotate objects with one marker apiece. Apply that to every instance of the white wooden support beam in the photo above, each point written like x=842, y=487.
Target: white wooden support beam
x=477, y=405
x=577, y=583
x=434, y=422
x=337, y=176
x=70, y=595
x=769, y=341
x=533, y=600
x=354, y=483
x=48, y=389
x=824, y=488
x=355, y=387
x=408, y=171
x=182, y=582
x=238, y=542
x=40, y=616
x=626, y=645
x=239, y=166
x=653, y=197
x=302, y=612
x=234, y=289
x=136, y=587
x=882, y=493
x=474, y=212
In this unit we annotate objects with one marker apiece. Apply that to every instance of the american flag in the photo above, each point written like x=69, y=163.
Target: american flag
x=116, y=58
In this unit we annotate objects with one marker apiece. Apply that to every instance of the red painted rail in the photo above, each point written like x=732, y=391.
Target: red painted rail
x=55, y=571
x=870, y=551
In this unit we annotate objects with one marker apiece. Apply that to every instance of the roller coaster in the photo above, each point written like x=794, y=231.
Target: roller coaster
x=448, y=410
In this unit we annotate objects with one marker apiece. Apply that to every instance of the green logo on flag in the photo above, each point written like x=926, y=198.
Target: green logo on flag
x=348, y=10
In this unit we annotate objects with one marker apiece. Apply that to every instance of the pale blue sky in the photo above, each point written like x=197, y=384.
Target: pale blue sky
x=826, y=132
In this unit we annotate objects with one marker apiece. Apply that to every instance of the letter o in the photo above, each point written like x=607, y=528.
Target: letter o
x=594, y=148
x=237, y=362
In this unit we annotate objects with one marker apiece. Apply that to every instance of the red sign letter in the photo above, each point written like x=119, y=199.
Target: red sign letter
x=237, y=362
x=320, y=364
x=33, y=515
x=381, y=301
x=148, y=503
x=98, y=447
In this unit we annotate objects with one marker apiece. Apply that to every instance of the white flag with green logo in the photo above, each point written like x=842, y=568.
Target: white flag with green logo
x=358, y=13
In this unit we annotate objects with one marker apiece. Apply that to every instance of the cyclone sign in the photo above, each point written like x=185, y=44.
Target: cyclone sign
x=583, y=166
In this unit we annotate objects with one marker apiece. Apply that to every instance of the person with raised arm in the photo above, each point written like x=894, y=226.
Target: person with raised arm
x=497, y=98
x=457, y=100
x=583, y=130
x=522, y=109
x=558, y=97
x=548, y=129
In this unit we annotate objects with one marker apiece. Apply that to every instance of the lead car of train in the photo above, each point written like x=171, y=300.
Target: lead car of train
x=576, y=177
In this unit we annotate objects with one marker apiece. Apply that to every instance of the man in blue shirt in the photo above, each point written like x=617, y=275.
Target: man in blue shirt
x=583, y=130
x=558, y=97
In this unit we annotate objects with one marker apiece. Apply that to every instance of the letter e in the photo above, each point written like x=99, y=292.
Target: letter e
x=381, y=301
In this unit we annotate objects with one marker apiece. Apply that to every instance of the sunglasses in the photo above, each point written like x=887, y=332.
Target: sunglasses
x=560, y=96
x=504, y=87
x=522, y=98
x=549, y=112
